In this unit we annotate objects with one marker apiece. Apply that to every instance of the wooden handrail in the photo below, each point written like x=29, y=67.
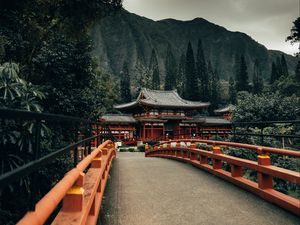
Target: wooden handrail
x=185, y=150
x=67, y=190
x=258, y=149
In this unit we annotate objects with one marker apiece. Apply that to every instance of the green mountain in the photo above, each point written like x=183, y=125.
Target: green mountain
x=126, y=36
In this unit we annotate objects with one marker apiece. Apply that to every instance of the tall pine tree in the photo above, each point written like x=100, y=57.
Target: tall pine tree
x=279, y=67
x=214, y=88
x=258, y=84
x=143, y=74
x=191, y=90
x=242, y=83
x=202, y=73
x=153, y=66
x=284, y=67
x=125, y=94
x=180, y=80
x=232, y=91
x=170, y=64
x=274, y=73
x=297, y=72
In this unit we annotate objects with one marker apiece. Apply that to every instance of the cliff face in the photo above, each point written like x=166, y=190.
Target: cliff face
x=127, y=36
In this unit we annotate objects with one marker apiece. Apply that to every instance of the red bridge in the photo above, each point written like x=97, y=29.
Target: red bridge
x=143, y=185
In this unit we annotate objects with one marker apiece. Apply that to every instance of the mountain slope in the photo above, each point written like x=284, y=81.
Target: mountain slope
x=126, y=36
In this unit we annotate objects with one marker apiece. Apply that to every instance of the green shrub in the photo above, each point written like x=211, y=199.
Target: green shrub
x=123, y=149
x=141, y=148
x=131, y=149
x=204, y=146
x=216, y=138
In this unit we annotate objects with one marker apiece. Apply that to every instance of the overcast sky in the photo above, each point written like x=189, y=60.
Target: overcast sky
x=267, y=21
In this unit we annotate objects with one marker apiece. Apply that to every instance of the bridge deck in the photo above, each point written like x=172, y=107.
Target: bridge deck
x=154, y=191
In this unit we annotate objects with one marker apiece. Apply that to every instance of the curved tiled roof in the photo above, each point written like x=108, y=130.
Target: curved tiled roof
x=157, y=98
x=226, y=109
x=208, y=120
x=116, y=118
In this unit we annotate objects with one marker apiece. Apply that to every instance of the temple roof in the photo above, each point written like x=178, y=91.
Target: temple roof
x=225, y=109
x=162, y=99
x=116, y=118
x=216, y=121
x=129, y=119
x=209, y=121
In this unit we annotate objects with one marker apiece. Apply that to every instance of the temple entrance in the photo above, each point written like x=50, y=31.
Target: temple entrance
x=170, y=129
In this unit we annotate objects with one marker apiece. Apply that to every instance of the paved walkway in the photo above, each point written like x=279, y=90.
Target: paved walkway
x=155, y=191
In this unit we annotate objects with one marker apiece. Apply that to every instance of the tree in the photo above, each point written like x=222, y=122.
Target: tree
x=143, y=74
x=181, y=75
x=153, y=67
x=242, y=83
x=202, y=73
x=170, y=64
x=215, y=88
x=258, y=83
x=266, y=107
x=279, y=67
x=28, y=25
x=102, y=93
x=45, y=38
x=191, y=91
x=297, y=71
x=295, y=33
x=125, y=94
x=284, y=67
x=55, y=70
x=209, y=76
x=274, y=73
x=16, y=92
x=232, y=91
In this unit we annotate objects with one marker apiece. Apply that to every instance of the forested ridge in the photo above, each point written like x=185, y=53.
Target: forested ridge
x=127, y=36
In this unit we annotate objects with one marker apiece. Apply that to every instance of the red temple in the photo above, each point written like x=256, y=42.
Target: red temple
x=162, y=115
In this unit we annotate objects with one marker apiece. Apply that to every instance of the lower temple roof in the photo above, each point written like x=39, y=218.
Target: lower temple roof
x=127, y=118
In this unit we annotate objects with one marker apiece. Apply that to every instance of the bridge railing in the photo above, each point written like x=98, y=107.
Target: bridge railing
x=186, y=150
x=80, y=192
x=71, y=188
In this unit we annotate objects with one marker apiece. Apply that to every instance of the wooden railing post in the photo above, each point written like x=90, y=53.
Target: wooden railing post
x=265, y=181
x=178, y=152
x=236, y=171
x=192, y=156
x=104, y=151
x=96, y=163
x=203, y=159
x=217, y=164
x=73, y=200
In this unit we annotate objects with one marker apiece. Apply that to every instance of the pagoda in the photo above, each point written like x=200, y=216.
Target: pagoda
x=160, y=115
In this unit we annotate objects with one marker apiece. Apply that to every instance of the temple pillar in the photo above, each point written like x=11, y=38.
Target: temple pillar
x=144, y=132
x=152, y=131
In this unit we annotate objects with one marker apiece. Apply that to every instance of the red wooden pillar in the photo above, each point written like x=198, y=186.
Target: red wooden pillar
x=217, y=164
x=192, y=156
x=236, y=171
x=73, y=200
x=140, y=132
x=144, y=132
x=265, y=181
x=152, y=131
x=203, y=159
